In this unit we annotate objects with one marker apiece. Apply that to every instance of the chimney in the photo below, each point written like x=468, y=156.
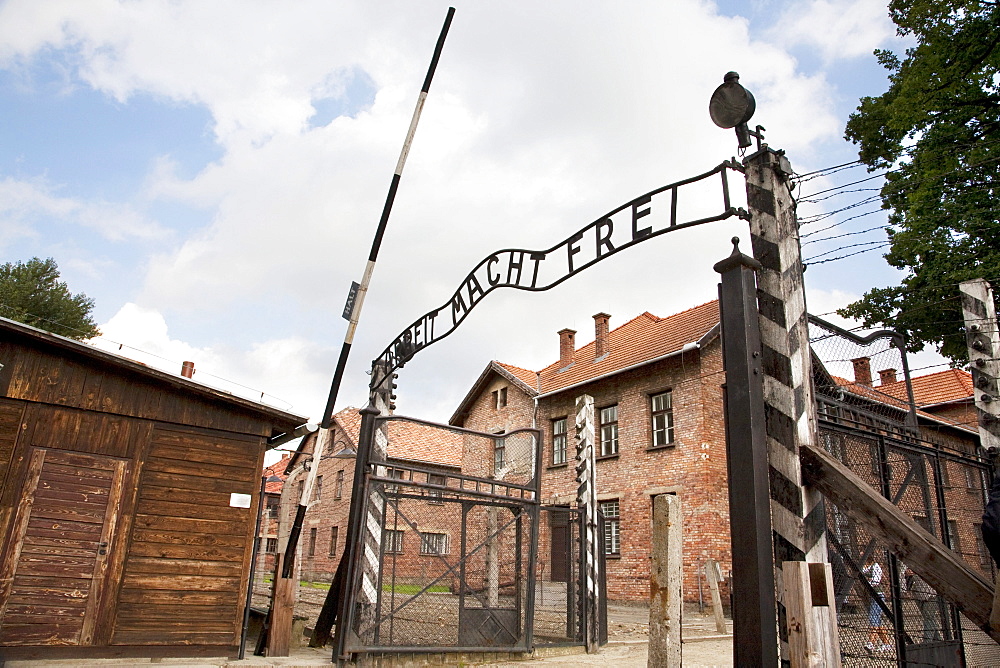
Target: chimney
x=600, y=335
x=566, y=347
x=862, y=371
x=187, y=369
x=887, y=376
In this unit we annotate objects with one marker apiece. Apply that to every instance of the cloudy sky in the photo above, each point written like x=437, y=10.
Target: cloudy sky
x=211, y=172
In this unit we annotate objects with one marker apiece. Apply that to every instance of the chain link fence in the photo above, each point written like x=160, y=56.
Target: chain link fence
x=931, y=470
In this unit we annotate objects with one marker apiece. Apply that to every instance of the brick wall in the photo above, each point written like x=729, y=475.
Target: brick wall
x=693, y=466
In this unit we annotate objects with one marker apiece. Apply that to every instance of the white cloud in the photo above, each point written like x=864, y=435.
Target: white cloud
x=24, y=202
x=838, y=29
x=542, y=117
x=291, y=370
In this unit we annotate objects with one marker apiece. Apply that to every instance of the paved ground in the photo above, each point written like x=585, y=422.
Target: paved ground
x=627, y=648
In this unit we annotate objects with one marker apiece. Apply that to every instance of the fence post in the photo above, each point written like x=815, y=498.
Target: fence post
x=808, y=592
x=797, y=512
x=713, y=574
x=665, y=586
x=983, y=339
x=586, y=498
x=755, y=635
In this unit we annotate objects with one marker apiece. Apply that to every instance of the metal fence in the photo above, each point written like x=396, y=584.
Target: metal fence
x=886, y=614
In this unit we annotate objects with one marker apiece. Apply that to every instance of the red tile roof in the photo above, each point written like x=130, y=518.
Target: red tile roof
x=935, y=388
x=526, y=376
x=640, y=340
x=276, y=469
x=407, y=440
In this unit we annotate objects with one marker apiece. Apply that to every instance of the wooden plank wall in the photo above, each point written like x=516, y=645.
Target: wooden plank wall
x=42, y=377
x=182, y=581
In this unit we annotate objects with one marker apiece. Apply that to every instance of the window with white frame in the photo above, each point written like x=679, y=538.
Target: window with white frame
x=662, y=405
x=338, y=491
x=559, y=441
x=432, y=542
x=612, y=527
x=393, y=540
x=608, y=420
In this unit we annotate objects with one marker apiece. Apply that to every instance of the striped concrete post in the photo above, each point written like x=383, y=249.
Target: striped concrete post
x=981, y=333
x=797, y=512
x=979, y=313
x=371, y=534
x=586, y=498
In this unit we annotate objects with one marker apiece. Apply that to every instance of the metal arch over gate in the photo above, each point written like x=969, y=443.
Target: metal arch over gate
x=650, y=215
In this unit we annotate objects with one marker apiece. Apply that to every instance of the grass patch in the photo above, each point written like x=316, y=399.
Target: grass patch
x=410, y=590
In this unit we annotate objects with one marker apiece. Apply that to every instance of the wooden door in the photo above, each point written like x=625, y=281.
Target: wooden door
x=559, y=523
x=53, y=574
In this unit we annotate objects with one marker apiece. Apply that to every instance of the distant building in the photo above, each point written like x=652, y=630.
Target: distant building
x=656, y=384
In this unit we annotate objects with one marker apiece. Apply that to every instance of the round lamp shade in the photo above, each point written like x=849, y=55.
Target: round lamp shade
x=731, y=103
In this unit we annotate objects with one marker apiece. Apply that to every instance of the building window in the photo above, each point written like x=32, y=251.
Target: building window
x=273, y=503
x=953, y=542
x=663, y=418
x=338, y=490
x=973, y=483
x=500, y=398
x=609, y=430
x=393, y=540
x=499, y=453
x=334, y=531
x=312, y=542
x=433, y=542
x=271, y=546
x=985, y=560
x=612, y=527
x=435, y=494
x=559, y=441
x=318, y=488
x=398, y=475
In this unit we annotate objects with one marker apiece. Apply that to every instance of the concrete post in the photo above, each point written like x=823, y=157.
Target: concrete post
x=665, y=583
x=714, y=575
x=983, y=338
x=797, y=512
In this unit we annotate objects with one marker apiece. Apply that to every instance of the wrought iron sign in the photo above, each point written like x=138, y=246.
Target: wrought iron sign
x=645, y=217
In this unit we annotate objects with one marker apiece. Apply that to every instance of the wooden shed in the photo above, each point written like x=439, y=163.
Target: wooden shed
x=127, y=504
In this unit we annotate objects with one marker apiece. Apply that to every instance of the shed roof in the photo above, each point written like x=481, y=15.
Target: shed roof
x=85, y=352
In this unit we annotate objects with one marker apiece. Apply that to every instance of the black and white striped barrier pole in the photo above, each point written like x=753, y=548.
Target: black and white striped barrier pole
x=356, y=297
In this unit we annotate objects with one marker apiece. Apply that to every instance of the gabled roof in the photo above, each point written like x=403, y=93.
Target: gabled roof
x=941, y=387
x=889, y=395
x=408, y=441
x=642, y=340
x=639, y=341
x=276, y=469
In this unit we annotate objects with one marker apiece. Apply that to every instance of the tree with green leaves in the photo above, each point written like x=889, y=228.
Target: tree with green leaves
x=937, y=132
x=31, y=292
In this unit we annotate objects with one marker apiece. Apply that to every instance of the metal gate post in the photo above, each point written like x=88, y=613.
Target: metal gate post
x=755, y=631
x=353, y=541
x=586, y=497
x=797, y=512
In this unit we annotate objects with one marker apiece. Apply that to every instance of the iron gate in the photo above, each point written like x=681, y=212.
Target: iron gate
x=457, y=558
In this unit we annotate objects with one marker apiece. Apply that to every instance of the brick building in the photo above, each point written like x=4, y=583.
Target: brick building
x=656, y=384
x=413, y=534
